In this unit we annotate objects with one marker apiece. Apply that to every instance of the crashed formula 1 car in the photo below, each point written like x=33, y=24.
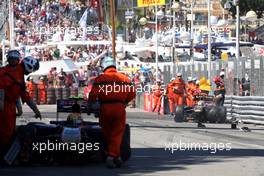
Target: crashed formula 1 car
x=62, y=142
x=206, y=110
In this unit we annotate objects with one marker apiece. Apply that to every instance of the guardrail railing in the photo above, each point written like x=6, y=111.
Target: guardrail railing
x=247, y=109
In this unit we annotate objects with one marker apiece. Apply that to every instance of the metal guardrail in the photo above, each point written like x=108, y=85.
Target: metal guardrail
x=247, y=109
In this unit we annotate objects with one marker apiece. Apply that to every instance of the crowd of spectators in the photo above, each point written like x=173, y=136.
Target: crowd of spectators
x=38, y=22
x=61, y=79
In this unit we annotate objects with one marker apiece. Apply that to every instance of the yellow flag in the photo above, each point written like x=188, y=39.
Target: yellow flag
x=224, y=56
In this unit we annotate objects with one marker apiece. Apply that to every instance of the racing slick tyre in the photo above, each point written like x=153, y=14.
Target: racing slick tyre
x=199, y=116
x=217, y=115
x=125, y=145
x=179, y=114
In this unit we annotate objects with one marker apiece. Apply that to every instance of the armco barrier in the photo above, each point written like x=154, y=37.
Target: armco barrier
x=248, y=109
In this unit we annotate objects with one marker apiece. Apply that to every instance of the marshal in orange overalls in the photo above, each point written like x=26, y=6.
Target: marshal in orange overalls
x=42, y=92
x=157, y=97
x=114, y=91
x=179, y=90
x=171, y=97
x=190, y=88
x=13, y=91
x=31, y=88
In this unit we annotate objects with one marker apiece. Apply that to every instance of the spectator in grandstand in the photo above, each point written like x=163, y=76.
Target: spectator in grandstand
x=61, y=78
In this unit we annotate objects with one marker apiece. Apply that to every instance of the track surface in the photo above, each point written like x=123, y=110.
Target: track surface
x=152, y=139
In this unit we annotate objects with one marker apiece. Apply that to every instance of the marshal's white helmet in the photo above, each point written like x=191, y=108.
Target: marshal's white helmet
x=31, y=64
x=189, y=79
x=108, y=62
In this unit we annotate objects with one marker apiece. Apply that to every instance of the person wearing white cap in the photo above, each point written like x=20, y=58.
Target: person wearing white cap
x=112, y=117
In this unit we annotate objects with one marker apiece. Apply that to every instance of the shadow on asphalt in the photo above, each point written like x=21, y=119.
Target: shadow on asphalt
x=190, y=127
x=146, y=160
x=143, y=161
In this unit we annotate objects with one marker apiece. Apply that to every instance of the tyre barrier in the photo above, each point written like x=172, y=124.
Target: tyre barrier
x=51, y=96
x=74, y=92
x=247, y=109
x=54, y=94
x=66, y=93
x=35, y=96
x=58, y=93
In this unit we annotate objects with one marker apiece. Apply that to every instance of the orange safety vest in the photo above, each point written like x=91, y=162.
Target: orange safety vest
x=178, y=86
x=157, y=91
x=41, y=85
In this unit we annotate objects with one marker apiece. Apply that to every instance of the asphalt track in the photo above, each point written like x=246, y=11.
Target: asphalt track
x=162, y=147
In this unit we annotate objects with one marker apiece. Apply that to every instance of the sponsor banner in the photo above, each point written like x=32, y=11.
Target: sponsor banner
x=147, y=3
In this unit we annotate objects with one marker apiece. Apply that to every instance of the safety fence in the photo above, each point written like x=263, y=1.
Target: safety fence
x=247, y=109
x=235, y=71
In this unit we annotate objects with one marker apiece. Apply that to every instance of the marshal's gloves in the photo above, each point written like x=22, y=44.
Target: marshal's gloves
x=19, y=108
x=35, y=109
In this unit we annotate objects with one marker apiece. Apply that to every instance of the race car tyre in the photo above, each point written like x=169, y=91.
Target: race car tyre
x=58, y=93
x=125, y=145
x=66, y=93
x=217, y=114
x=199, y=116
x=179, y=114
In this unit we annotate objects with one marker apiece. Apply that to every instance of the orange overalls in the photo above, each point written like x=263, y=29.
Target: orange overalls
x=171, y=97
x=179, y=90
x=14, y=88
x=31, y=88
x=157, y=96
x=42, y=92
x=114, y=91
x=190, y=93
